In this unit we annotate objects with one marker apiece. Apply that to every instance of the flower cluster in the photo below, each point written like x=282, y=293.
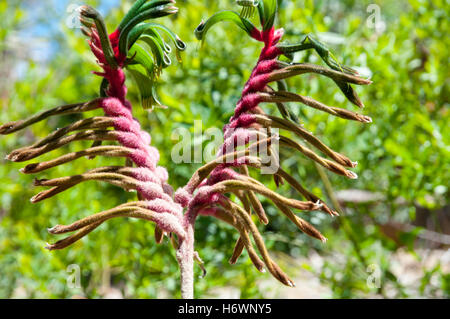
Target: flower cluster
x=206, y=192
x=139, y=48
x=141, y=172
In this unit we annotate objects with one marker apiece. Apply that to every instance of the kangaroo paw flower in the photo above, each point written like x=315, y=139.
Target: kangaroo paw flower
x=250, y=125
x=116, y=125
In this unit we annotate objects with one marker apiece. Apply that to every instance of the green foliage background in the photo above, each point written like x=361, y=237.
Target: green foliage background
x=404, y=154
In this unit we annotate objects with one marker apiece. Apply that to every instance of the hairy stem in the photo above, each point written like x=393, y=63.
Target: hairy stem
x=185, y=257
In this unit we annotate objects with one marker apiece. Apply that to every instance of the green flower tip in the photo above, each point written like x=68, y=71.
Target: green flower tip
x=199, y=31
x=89, y=12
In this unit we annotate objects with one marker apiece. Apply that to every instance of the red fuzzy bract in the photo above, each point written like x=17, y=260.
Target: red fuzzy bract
x=238, y=129
x=152, y=179
x=114, y=76
x=114, y=39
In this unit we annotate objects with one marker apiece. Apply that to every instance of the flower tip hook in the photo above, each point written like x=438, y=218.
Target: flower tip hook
x=88, y=12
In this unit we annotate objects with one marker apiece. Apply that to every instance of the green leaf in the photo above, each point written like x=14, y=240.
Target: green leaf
x=157, y=50
x=91, y=13
x=180, y=45
x=142, y=57
x=152, y=32
x=248, y=7
x=103, y=87
x=267, y=11
x=155, y=3
x=349, y=93
x=131, y=13
x=152, y=13
x=145, y=85
x=261, y=13
x=284, y=108
x=242, y=23
x=152, y=29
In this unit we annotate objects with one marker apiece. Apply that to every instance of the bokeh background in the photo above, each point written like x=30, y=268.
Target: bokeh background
x=394, y=236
